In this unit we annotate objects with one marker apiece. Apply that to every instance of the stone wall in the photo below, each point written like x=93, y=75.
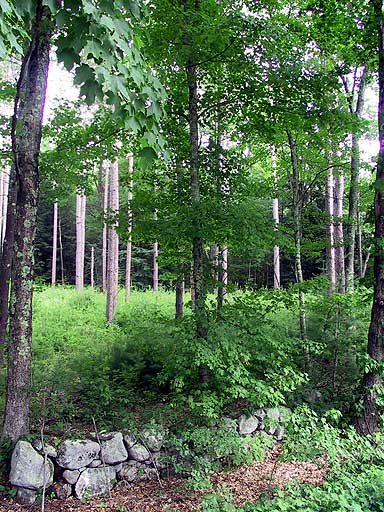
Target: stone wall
x=92, y=466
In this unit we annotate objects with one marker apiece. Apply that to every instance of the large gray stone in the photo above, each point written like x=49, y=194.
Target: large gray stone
x=77, y=454
x=113, y=450
x=28, y=469
x=272, y=414
x=71, y=476
x=95, y=481
x=248, y=425
x=26, y=497
x=139, y=453
x=279, y=433
x=95, y=463
x=153, y=438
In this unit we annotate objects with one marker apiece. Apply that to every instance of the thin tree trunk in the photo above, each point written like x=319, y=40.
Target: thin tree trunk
x=223, y=276
x=330, y=251
x=197, y=241
x=359, y=85
x=155, y=267
x=369, y=422
x=54, y=245
x=2, y=199
x=6, y=182
x=106, y=166
x=359, y=246
x=92, y=267
x=338, y=233
x=61, y=251
x=26, y=148
x=128, y=263
x=80, y=239
x=297, y=213
x=276, y=220
x=113, y=244
x=179, y=296
x=6, y=253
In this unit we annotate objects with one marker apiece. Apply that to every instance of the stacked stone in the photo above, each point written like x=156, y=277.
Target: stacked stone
x=84, y=468
x=90, y=467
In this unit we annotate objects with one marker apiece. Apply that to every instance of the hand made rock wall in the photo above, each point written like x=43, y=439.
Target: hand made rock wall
x=92, y=466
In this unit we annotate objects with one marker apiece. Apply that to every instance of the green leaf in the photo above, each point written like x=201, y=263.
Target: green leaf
x=53, y=5
x=83, y=74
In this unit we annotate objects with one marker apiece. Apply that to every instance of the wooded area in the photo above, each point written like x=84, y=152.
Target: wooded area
x=200, y=233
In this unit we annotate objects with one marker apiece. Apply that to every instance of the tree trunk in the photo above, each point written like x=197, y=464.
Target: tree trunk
x=359, y=244
x=113, y=244
x=5, y=201
x=297, y=214
x=196, y=220
x=106, y=166
x=54, y=245
x=80, y=239
x=354, y=188
x=370, y=420
x=26, y=148
x=330, y=251
x=6, y=257
x=2, y=199
x=129, y=244
x=92, y=267
x=179, y=296
x=61, y=251
x=276, y=220
x=223, y=276
x=338, y=233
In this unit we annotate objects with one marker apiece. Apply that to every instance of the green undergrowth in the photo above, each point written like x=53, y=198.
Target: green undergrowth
x=354, y=481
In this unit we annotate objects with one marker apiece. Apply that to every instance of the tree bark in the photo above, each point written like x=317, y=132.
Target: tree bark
x=223, y=276
x=54, y=244
x=197, y=240
x=80, y=239
x=26, y=148
x=354, y=188
x=113, y=244
x=297, y=233
x=369, y=422
x=5, y=201
x=61, y=251
x=339, y=233
x=92, y=267
x=6, y=257
x=330, y=251
x=129, y=244
x=105, y=166
x=179, y=296
x=276, y=220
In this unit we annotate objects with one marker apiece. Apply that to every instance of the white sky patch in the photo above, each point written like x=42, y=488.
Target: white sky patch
x=59, y=88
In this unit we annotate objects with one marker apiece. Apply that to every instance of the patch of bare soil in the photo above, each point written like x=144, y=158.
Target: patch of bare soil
x=245, y=484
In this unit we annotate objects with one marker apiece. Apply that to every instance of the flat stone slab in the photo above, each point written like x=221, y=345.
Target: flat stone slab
x=77, y=454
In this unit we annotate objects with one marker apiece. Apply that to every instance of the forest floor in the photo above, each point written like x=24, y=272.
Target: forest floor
x=244, y=484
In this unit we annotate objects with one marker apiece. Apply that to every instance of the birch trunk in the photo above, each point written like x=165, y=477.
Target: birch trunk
x=54, y=244
x=369, y=422
x=106, y=166
x=276, y=220
x=129, y=244
x=330, y=251
x=113, y=244
x=338, y=233
x=61, y=251
x=28, y=115
x=80, y=239
x=155, y=267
